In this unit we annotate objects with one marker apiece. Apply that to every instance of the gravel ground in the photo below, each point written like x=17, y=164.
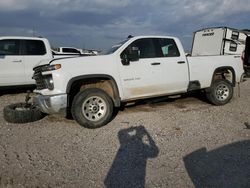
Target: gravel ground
x=182, y=142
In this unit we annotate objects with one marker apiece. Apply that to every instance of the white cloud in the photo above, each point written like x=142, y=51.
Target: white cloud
x=7, y=5
x=187, y=8
x=123, y=16
x=15, y=31
x=64, y=5
x=210, y=10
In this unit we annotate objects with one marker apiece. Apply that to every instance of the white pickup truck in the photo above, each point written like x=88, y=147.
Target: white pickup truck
x=18, y=56
x=137, y=68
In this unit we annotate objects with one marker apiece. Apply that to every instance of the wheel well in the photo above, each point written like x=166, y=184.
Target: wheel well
x=106, y=84
x=224, y=73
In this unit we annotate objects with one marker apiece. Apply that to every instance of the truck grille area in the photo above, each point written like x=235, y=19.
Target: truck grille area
x=38, y=77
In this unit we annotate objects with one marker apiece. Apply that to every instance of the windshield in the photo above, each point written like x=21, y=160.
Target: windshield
x=113, y=48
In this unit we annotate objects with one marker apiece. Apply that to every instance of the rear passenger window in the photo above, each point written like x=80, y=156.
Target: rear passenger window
x=9, y=47
x=34, y=47
x=168, y=48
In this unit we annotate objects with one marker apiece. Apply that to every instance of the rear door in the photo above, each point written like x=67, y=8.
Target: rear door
x=11, y=63
x=173, y=63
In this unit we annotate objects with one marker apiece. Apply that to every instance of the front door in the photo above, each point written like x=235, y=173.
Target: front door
x=143, y=77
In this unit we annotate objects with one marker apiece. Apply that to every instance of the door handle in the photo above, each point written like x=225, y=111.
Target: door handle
x=156, y=63
x=17, y=61
x=181, y=62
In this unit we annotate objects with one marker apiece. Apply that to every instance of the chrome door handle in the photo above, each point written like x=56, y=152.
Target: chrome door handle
x=17, y=61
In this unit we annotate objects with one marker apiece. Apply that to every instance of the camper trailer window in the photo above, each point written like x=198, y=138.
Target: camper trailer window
x=235, y=35
x=233, y=47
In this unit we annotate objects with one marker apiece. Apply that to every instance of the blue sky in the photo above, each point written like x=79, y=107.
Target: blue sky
x=97, y=24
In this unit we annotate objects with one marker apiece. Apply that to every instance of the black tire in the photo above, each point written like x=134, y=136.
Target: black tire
x=22, y=113
x=220, y=92
x=92, y=108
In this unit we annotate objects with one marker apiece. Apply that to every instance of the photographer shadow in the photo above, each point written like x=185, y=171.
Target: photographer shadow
x=225, y=167
x=129, y=166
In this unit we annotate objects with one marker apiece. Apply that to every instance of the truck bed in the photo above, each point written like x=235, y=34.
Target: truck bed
x=209, y=64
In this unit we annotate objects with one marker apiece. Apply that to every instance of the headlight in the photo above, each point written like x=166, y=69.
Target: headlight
x=49, y=81
x=51, y=67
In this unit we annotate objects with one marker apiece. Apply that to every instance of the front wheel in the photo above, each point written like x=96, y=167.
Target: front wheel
x=220, y=92
x=92, y=108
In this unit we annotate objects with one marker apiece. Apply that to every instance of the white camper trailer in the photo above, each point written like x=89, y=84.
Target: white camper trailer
x=219, y=41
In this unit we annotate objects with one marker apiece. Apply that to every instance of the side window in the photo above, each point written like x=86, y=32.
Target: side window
x=233, y=47
x=168, y=48
x=145, y=46
x=34, y=47
x=235, y=35
x=9, y=47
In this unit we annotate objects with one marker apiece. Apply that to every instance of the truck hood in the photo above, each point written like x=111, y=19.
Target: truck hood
x=73, y=59
x=43, y=62
x=48, y=61
x=82, y=59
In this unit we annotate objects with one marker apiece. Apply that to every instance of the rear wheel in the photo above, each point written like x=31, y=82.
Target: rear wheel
x=92, y=108
x=220, y=92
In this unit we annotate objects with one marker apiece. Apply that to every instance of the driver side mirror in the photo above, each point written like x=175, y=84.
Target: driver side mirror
x=131, y=54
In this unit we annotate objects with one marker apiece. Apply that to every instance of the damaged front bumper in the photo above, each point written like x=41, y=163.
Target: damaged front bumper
x=52, y=104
